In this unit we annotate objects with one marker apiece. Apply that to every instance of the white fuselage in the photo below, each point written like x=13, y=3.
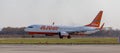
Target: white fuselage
x=44, y=29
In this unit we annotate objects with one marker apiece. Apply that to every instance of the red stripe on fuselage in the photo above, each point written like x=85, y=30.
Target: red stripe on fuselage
x=42, y=33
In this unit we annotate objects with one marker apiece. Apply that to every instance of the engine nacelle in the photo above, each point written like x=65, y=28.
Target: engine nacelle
x=64, y=33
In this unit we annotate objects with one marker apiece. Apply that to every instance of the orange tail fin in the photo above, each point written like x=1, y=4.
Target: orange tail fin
x=96, y=21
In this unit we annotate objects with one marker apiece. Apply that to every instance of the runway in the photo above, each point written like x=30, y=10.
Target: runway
x=59, y=48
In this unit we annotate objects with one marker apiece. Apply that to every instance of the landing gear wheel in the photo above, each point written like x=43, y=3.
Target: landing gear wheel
x=69, y=37
x=61, y=37
x=33, y=36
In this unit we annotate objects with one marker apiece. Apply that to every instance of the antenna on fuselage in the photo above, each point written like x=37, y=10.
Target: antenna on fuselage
x=53, y=23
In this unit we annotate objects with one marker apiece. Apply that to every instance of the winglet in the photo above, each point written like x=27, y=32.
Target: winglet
x=101, y=26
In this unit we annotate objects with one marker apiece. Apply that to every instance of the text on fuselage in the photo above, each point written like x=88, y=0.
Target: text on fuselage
x=49, y=28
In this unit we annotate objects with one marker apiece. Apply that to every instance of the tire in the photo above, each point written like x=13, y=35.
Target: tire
x=69, y=37
x=33, y=36
x=60, y=36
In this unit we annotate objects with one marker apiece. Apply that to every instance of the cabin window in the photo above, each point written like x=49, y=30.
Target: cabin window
x=30, y=26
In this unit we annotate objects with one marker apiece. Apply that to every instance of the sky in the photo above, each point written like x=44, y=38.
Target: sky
x=22, y=13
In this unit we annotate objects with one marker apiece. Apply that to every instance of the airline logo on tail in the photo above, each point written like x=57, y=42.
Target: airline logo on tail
x=96, y=21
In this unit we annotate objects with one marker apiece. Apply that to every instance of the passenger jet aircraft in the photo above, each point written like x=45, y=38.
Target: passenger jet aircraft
x=67, y=31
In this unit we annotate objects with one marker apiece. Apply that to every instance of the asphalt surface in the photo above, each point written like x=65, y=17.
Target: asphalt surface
x=59, y=48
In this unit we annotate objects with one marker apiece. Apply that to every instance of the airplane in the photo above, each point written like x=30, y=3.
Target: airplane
x=66, y=31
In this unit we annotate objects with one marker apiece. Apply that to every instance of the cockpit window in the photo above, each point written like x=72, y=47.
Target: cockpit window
x=30, y=26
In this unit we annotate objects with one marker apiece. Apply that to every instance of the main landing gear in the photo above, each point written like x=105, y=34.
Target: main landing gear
x=61, y=36
x=69, y=37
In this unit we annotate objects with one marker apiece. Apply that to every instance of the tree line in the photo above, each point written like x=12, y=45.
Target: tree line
x=19, y=32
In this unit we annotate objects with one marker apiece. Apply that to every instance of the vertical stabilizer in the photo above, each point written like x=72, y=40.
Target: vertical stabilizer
x=96, y=21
